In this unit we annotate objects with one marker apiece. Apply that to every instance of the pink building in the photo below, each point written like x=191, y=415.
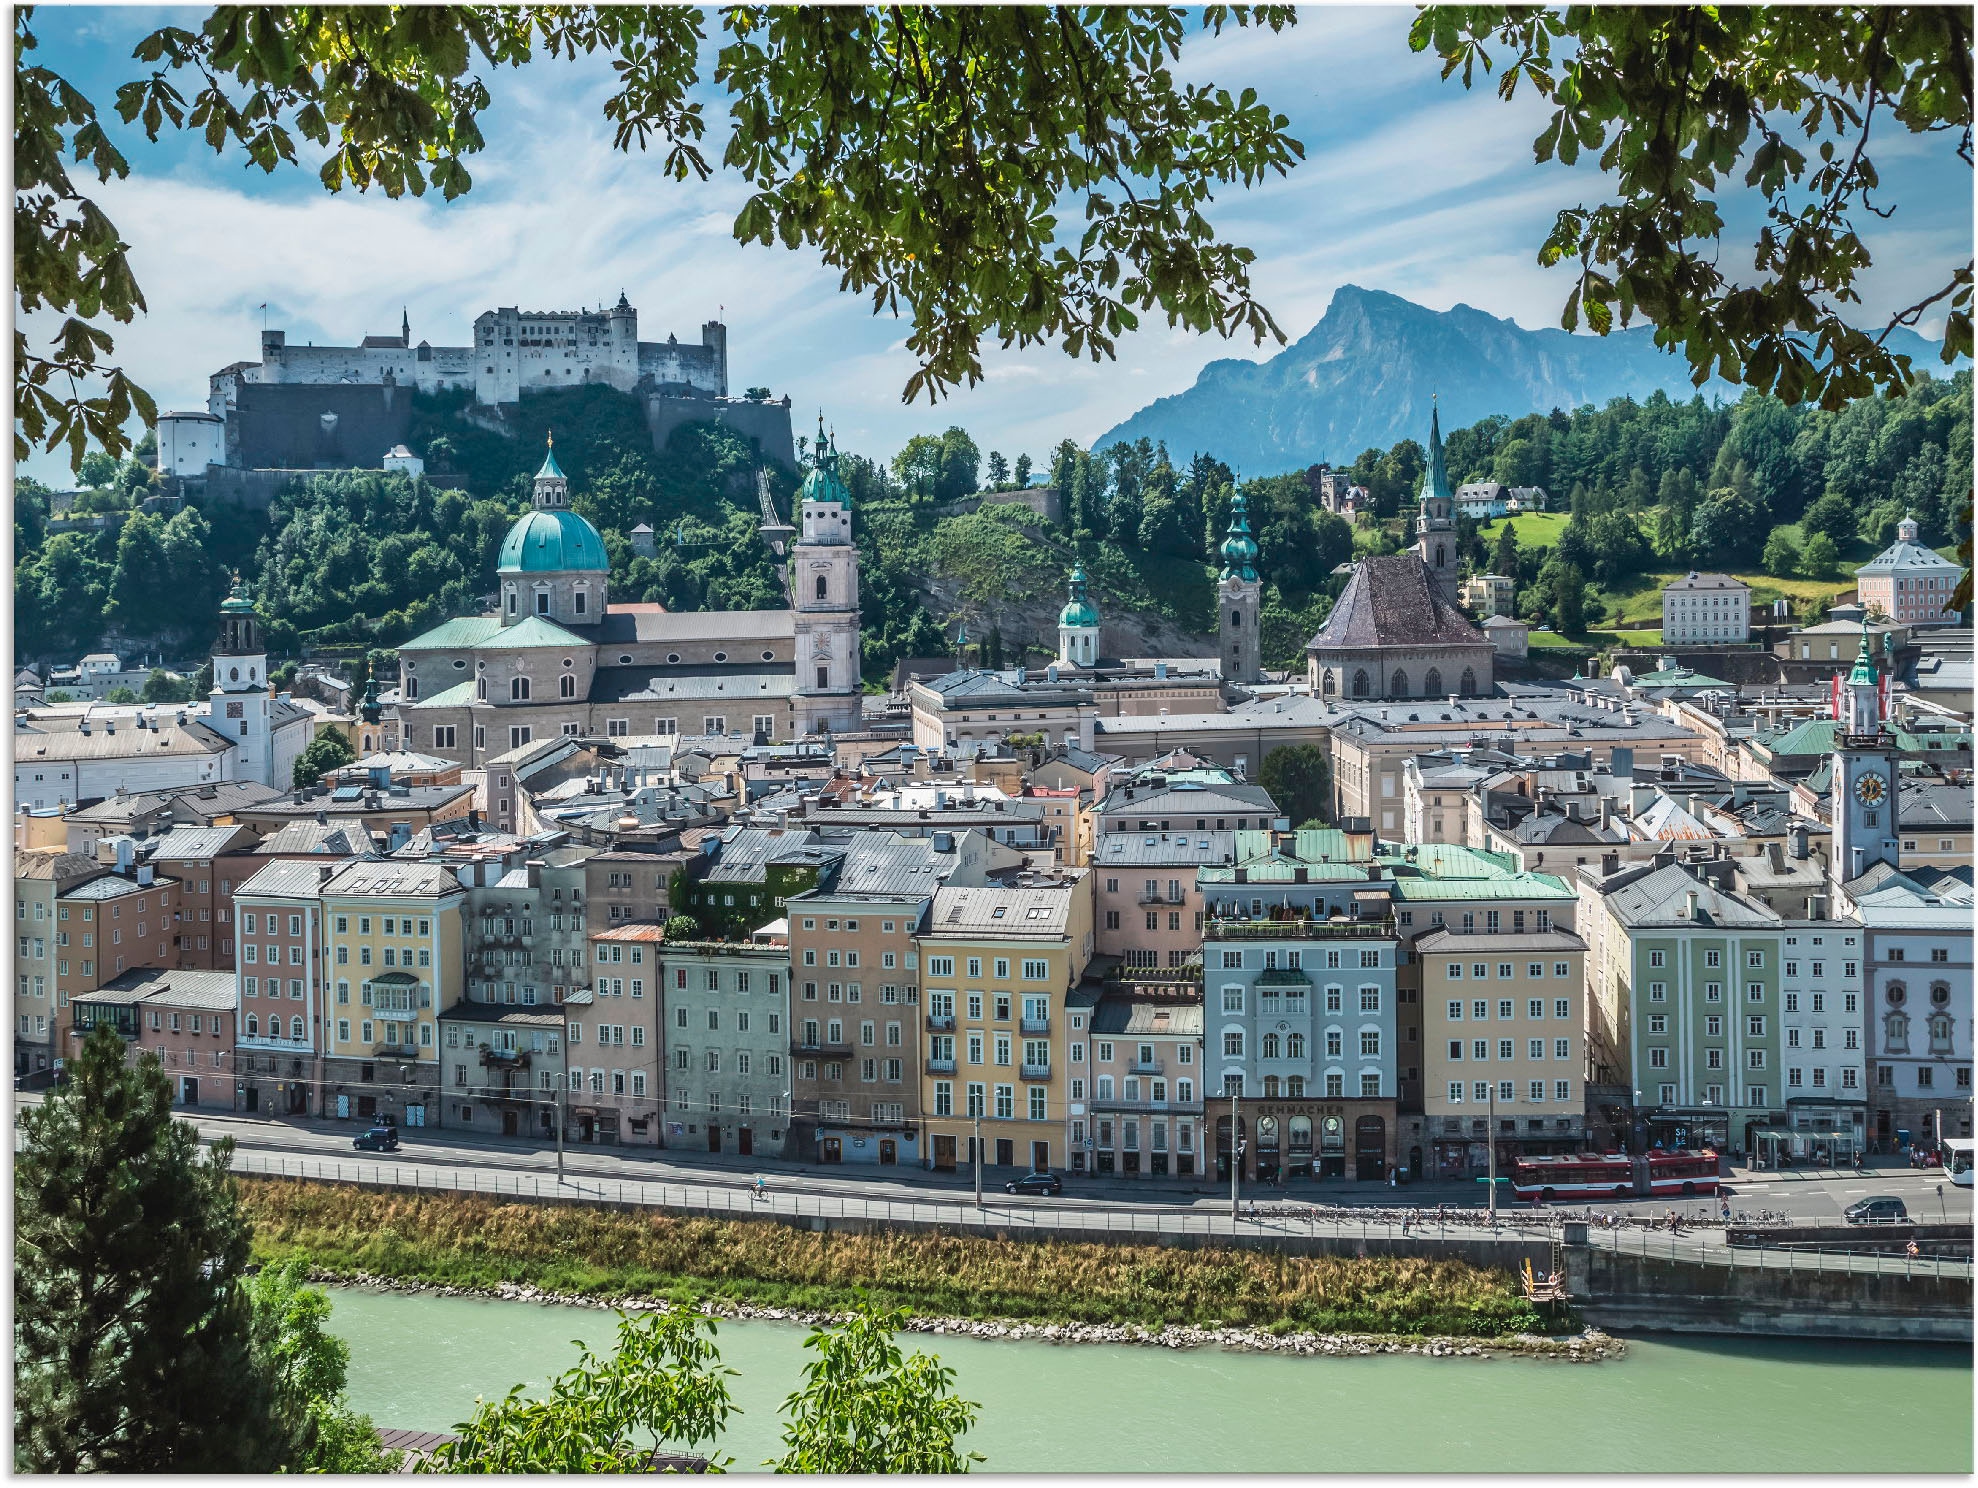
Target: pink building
x=1909, y=582
x=185, y=1018
x=1149, y=909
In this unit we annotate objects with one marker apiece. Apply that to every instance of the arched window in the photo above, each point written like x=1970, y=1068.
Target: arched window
x=1898, y=1033
x=820, y=586
x=1940, y=1033
x=1328, y=682
x=1236, y=619
x=1432, y=684
x=253, y=1026
x=1270, y=1046
x=1294, y=1046
x=411, y=687
x=1270, y=1087
x=518, y=689
x=1469, y=683
x=481, y=688
x=566, y=686
x=1360, y=684
x=1438, y=555
x=1397, y=685
x=295, y=1029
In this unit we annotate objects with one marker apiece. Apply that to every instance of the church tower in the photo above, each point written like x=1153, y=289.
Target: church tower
x=824, y=592
x=1864, y=775
x=1078, y=626
x=1239, y=593
x=552, y=563
x=1435, y=543
x=239, y=707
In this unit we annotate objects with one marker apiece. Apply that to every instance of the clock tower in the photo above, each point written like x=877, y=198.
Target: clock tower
x=1864, y=789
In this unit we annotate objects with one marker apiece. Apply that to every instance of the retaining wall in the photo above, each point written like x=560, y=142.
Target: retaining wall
x=1645, y=1293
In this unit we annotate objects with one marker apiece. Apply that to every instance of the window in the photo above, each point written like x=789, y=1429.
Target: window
x=1232, y=1045
x=1456, y=1011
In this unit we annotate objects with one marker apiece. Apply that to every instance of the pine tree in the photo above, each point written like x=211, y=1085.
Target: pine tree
x=133, y=1334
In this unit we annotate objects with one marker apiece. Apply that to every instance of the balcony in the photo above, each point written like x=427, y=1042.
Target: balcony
x=1036, y=1071
x=940, y=1066
x=1147, y=1067
x=505, y=1059
x=1037, y=1025
x=940, y=1022
x=1172, y=901
x=840, y=1050
x=395, y=1051
x=1216, y=929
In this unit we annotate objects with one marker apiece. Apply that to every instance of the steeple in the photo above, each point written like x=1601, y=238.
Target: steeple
x=1860, y=714
x=1435, y=485
x=404, y=326
x=1239, y=548
x=1435, y=541
x=552, y=486
x=1078, y=625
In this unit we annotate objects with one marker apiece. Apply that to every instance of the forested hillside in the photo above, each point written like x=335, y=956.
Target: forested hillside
x=1792, y=496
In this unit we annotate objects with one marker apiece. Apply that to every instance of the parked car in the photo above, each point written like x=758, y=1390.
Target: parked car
x=1885, y=1209
x=1036, y=1183
x=380, y=1138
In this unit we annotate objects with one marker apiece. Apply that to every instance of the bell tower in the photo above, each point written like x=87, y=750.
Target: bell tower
x=1435, y=543
x=1239, y=594
x=1864, y=776
x=824, y=592
x=239, y=707
x=1078, y=625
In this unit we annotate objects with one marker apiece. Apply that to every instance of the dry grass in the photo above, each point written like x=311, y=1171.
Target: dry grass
x=465, y=1240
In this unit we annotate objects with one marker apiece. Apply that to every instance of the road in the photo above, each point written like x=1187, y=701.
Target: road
x=1800, y=1196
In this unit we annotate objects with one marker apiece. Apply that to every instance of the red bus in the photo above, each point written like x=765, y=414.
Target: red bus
x=1583, y=1175
x=1682, y=1172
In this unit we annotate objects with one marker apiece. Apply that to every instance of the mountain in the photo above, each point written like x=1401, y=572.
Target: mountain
x=1363, y=377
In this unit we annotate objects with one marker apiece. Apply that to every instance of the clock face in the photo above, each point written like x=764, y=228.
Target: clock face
x=1869, y=790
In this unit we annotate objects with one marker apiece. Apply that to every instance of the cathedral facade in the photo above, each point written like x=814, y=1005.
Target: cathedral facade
x=559, y=658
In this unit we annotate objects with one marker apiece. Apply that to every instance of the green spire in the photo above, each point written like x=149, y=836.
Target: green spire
x=551, y=470
x=1239, y=549
x=1078, y=611
x=1864, y=663
x=1437, y=483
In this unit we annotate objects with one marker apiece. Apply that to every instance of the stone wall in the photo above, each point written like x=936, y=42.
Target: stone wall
x=302, y=425
x=766, y=424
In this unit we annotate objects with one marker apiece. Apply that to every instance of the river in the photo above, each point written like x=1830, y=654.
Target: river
x=1716, y=1405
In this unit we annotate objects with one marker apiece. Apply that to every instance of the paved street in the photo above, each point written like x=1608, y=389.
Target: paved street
x=1799, y=1195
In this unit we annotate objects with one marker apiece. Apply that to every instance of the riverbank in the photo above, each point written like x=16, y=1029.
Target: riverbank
x=479, y=1245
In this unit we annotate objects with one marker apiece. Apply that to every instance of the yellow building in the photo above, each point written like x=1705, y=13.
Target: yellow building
x=392, y=935
x=996, y=963
x=1503, y=1047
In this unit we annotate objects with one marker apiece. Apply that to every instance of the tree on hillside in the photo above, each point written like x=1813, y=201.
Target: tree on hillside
x=1832, y=515
x=999, y=470
x=1819, y=557
x=922, y=152
x=328, y=751
x=162, y=687
x=1022, y=472
x=938, y=467
x=1299, y=779
x=133, y=1336
x=1504, y=554
x=1783, y=98
x=865, y=1407
x=1781, y=558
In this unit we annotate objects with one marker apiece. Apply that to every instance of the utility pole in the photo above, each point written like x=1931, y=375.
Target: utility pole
x=562, y=1096
x=976, y=1114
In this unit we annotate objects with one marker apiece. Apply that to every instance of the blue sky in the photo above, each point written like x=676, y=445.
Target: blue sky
x=1409, y=184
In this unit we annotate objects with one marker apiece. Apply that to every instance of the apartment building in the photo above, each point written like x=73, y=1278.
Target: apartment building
x=727, y=1033
x=625, y=885
x=613, y=1038
x=108, y=925
x=183, y=1019
x=42, y=941
x=1299, y=1021
x=1141, y=1052
x=1149, y=903
x=194, y=855
x=395, y=937
x=280, y=986
x=1000, y=960
x=1503, y=1052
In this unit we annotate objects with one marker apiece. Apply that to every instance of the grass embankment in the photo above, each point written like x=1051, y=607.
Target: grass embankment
x=468, y=1241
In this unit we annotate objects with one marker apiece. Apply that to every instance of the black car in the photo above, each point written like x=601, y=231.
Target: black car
x=378, y=1139
x=1036, y=1183
x=1884, y=1210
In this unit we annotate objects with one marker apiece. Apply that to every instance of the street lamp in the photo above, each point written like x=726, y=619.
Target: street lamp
x=562, y=1102
x=1235, y=1153
x=975, y=1115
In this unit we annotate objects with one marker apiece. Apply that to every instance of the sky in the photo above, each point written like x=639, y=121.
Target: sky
x=1409, y=184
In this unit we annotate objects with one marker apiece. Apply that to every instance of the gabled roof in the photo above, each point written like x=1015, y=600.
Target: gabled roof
x=1393, y=601
x=1660, y=898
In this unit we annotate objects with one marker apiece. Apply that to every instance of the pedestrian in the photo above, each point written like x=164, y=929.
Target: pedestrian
x=1914, y=1252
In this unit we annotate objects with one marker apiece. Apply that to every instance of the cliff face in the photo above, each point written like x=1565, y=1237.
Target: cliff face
x=1364, y=376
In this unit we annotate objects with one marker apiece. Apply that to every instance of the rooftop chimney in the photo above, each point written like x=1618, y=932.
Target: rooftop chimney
x=1689, y=905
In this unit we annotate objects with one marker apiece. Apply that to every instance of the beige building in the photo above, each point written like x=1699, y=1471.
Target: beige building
x=997, y=963
x=1502, y=1043
x=41, y=941
x=1142, y=1056
x=1488, y=594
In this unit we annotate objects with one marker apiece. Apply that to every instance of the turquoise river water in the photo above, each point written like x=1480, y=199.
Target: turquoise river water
x=1718, y=1405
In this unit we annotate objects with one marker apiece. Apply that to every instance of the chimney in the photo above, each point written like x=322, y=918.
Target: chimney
x=322, y=818
x=1796, y=844
x=144, y=875
x=324, y=873
x=1610, y=863
x=1689, y=905
x=1606, y=812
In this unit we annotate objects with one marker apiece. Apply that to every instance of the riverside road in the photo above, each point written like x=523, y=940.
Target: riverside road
x=511, y=1165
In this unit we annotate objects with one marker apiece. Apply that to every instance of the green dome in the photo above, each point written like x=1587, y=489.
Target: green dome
x=552, y=541
x=822, y=483
x=236, y=604
x=1078, y=610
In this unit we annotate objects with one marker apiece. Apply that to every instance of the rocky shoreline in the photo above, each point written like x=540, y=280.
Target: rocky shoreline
x=1589, y=1347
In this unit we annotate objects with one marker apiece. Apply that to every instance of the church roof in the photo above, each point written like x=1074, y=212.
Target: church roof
x=551, y=470
x=486, y=632
x=552, y=540
x=1392, y=601
x=1436, y=482
x=1078, y=610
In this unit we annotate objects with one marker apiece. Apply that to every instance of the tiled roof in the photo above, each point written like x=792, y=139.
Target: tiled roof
x=1659, y=898
x=1392, y=601
x=1444, y=941
x=388, y=878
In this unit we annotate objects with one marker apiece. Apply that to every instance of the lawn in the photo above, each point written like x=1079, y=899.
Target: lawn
x=1535, y=529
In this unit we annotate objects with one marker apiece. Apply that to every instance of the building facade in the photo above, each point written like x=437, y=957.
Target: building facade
x=728, y=1034
x=1706, y=609
x=1910, y=583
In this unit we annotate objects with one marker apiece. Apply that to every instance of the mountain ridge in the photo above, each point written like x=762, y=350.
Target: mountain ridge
x=1363, y=377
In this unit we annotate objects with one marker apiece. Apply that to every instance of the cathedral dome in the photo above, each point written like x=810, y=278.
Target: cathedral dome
x=552, y=540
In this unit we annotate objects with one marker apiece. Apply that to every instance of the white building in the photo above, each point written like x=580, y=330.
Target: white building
x=400, y=459
x=1706, y=609
x=190, y=441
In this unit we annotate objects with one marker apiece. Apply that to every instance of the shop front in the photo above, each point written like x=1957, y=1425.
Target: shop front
x=1283, y=1140
x=1675, y=1129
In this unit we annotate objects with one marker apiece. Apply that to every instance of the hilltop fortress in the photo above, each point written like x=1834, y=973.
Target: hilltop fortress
x=348, y=407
